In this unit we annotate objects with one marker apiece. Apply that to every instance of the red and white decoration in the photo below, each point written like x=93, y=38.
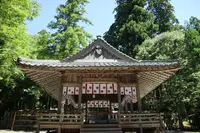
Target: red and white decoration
x=99, y=88
x=83, y=105
x=96, y=89
x=98, y=104
x=70, y=90
x=128, y=90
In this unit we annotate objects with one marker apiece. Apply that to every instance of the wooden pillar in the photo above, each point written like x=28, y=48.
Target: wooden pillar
x=139, y=101
x=126, y=107
x=61, y=101
x=131, y=107
x=119, y=102
x=86, y=112
x=80, y=98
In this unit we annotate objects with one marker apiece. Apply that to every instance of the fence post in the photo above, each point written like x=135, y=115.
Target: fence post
x=13, y=122
x=38, y=123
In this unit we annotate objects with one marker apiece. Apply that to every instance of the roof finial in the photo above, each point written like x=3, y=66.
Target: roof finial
x=98, y=36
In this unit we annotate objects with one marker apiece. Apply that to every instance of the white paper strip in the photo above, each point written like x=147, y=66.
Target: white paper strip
x=70, y=91
x=84, y=89
x=96, y=89
x=76, y=91
x=89, y=89
x=122, y=90
x=115, y=88
x=64, y=91
x=110, y=88
x=134, y=90
x=102, y=88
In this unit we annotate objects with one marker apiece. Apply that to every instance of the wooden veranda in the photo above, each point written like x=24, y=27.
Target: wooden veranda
x=103, y=85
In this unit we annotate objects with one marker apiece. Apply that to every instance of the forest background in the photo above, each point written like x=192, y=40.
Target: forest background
x=143, y=29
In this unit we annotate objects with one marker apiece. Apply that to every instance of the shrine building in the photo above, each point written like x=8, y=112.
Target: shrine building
x=103, y=86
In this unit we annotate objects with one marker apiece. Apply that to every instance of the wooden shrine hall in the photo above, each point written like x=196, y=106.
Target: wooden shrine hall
x=102, y=85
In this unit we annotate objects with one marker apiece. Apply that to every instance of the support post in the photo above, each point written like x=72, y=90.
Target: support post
x=61, y=102
x=119, y=102
x=80, y=99
x=126, y=107
x=13, y=122
x=139, y=102
x=38, y=125
x=131, y=107
x=86, y=112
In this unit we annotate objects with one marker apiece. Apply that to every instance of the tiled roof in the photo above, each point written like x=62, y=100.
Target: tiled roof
x=118, y=59
x=62, y=63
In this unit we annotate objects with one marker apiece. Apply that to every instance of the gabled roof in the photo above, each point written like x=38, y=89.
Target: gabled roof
x=108, y=52
x=97, y=54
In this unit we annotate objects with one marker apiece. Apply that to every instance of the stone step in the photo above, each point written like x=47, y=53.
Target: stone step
x=101, y=130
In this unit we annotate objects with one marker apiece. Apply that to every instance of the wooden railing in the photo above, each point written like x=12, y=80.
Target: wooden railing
x=23, y=120
x=150, y=118
x=75, y=119
x=29, y=120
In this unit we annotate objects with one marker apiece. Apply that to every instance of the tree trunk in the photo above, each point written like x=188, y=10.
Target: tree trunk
x=180, y=120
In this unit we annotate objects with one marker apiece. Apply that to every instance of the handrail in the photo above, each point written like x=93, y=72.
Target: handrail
x=147, y=118
x=55, y=118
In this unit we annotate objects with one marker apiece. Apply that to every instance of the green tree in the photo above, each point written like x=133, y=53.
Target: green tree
x=14, y=41
x=133, y=24
x=169, y=45
x=69, y=36
x=138, y=20
x=163, y=15
x=41, y=45
x=13, y=35
x=180, y=93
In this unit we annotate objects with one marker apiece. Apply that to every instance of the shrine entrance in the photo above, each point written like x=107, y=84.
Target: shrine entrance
x=99, y=100
x=98, y=115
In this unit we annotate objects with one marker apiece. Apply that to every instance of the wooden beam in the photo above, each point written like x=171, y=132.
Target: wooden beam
x=131, y=107
x=99, y=80
x=119, y=101
x=44, y=76
x=60, y=105
x=160, y=74
x=32, y=73
x=80, y=99
x=139, y=102
x=71, y=84
x=152, y=77
x=127, y=84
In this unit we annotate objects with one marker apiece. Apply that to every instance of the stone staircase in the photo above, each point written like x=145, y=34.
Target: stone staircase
x=101, y=130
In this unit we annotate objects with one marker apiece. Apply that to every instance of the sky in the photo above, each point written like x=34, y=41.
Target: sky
x=100, y=13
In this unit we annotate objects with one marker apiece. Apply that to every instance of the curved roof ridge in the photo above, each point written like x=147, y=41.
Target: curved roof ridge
x=79, y=52
x=105, y=44
x=119, y=50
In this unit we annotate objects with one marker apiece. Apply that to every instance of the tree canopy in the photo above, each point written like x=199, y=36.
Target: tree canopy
x=13, y=35
x=69, y=36
x=181, y=92
x=133, y=24
x=137, y=20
